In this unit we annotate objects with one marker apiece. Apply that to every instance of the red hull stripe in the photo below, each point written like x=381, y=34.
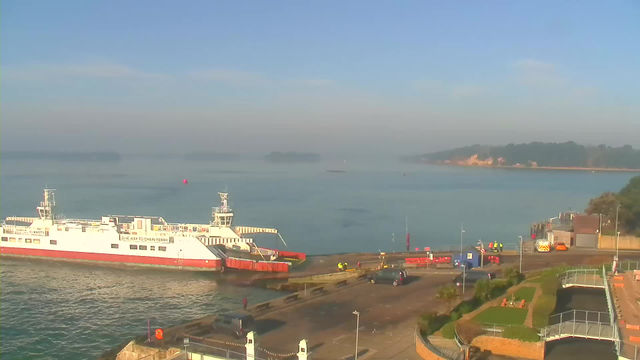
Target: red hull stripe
x=122, y=259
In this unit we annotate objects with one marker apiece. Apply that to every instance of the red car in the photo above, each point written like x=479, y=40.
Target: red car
x=560, y=246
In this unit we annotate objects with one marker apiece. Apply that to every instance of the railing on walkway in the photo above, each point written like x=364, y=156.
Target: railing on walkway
x=581, y=323
x=449, y=354
x=612, y=312
x=583, y=277
x=628, y=351
x=195, y=347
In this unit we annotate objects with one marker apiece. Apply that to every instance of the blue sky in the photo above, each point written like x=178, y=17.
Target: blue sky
x=345, y=76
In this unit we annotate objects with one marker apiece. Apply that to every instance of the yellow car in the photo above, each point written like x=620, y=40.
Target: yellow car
x=561, y=246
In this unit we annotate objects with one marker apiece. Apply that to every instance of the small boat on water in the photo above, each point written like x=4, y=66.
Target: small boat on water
x=143, y=241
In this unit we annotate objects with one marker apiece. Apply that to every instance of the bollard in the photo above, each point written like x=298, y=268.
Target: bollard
x=303, y=350
x=251, y=345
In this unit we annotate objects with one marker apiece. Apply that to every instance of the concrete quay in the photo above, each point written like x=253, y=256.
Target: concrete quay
x=323, y=315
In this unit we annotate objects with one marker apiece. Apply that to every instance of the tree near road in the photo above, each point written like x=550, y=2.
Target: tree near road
x=447, y=294
x=629, y=200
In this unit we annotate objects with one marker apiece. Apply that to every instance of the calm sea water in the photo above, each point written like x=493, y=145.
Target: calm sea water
x=65, y=311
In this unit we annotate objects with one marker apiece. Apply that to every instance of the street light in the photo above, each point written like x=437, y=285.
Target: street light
x=357, y=314
x=481, y=253
x=617, y=232
x=520, y=254
x=461, y=232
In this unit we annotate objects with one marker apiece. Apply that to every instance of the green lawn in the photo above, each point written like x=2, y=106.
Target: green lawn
x=525, y=293
x=502, y=315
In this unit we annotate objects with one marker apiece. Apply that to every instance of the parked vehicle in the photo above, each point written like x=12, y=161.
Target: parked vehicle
x=560, y=246
x=389, y=276
x=472, y=276
x=234, y=324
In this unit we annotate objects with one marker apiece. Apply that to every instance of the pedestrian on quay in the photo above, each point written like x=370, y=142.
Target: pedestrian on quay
x=358, y=265
x=345, y=266
x=340, y=266
x=501, y=245
x=245, y=302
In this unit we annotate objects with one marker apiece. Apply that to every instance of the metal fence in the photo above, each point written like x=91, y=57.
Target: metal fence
x=585, y=316
x=583, y=277
x=612, y=311
x=629, y=265
x=628, y=351
x=204, y=349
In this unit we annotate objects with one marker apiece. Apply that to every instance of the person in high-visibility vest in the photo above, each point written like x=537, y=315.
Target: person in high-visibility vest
x=340, y=266
x=501, y=245
x=491, y=245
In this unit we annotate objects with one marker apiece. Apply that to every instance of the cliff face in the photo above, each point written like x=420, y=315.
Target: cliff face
x=475, y=160
x=537, y=155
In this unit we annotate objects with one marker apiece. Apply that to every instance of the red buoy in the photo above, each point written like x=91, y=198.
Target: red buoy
x=185, y=181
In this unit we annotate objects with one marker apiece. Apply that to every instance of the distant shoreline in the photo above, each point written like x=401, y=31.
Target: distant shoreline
x=563, y=168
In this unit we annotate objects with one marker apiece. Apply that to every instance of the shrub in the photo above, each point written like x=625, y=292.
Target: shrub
x=498, y=287
x=521, y=333
x=544, y=306
x=482, y=290
x=512, y=276
x=449, y=330
x=431, y=322
x=455, y=315
x=468, y=306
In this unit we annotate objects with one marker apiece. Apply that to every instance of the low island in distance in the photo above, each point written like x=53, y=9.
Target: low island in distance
x=537, y=155
x=292, y=157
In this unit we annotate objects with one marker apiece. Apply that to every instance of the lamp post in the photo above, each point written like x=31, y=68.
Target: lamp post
x=617, y=232
x=481, y=253
x=520, y=254
x=461, y=232
x=357, y=314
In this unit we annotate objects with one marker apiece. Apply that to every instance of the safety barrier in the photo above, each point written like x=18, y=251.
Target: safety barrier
x=341, y=283
x=291, y=298
x=612, y=312
x=583, y=278
x=581, y=323
x=263, y=306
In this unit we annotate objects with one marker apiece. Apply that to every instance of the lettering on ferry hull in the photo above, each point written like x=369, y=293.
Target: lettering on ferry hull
x=145, y=238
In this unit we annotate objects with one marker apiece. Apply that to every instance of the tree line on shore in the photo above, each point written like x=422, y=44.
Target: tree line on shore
x=567, y=154
x=628, y=200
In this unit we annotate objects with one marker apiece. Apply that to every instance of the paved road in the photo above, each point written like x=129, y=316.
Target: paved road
x=387, y=320
x=388, y=314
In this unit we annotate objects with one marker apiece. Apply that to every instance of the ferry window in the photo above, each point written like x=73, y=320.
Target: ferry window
x=152, y=248
x=162, y=248
x=28, y=241
x=36, y=241
x=4, y=238
x=12, y=240
x=142, y=247
x=19, y=239
x=53, y=242
x=133, y=247
x=114, y=246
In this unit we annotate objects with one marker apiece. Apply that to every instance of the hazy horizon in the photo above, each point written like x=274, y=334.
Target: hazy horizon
x=360, y=78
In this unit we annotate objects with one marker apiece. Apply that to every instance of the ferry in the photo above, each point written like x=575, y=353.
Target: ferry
x=143, y=241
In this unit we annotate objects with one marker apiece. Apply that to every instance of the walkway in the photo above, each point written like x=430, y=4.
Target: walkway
x=583, y=278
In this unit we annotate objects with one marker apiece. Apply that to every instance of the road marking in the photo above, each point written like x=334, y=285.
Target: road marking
x=335, y=341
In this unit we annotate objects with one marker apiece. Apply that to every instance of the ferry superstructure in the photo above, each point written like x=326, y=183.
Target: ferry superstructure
x=140, y=240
